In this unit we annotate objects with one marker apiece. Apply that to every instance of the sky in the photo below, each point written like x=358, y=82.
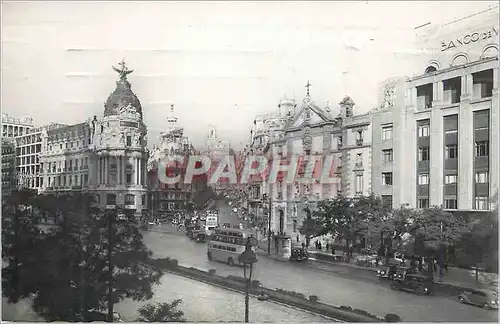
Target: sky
x=219, y=63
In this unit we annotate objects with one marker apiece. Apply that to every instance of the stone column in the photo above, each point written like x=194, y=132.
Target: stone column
x=106, y=170
x=438, y=93
x=139, y=171
x=436, y=158
x=465, y=149
x=494, y=142
x=99, y=170
x=136, y=163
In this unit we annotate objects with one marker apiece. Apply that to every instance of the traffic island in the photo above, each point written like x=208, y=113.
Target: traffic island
x=308, y=303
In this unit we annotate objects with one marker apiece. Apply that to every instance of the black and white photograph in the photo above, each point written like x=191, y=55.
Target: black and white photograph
x=250, y=161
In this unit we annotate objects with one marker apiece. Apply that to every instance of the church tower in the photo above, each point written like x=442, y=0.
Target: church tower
x=119, y=147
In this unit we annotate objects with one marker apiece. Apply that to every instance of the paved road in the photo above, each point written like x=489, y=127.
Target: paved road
x=336, y=288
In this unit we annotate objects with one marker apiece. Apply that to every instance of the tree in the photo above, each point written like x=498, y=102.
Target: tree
x=20, y=245
x=92, y=260
x=435, y=231
x=311, y=228
x=162, y=312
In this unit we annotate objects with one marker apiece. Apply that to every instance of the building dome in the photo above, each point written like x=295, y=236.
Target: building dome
x=122, y=96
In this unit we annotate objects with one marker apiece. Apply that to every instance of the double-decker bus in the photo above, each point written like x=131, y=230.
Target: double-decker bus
x=226, y=244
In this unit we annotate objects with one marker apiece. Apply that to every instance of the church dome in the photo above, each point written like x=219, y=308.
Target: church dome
x=122, y=96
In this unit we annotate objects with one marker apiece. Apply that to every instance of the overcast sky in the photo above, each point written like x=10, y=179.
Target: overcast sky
x=220, y=63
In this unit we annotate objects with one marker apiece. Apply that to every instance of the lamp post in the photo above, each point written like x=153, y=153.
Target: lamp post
x=264, y=198
x=248, y=257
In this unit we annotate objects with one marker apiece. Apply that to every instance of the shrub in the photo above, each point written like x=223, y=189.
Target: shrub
x=313, y=298
x=392, y=318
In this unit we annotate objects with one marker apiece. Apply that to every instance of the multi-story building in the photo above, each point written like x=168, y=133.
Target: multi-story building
x=436, y=139
x=8, y=166
x=168, y=199
x=28, y=148
x=13, y=127
x=64, y=160
x=106, y=157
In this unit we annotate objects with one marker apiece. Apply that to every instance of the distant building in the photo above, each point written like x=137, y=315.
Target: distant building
x=435, y=135
x=13, y=126
x=8, y=166
x=168, y=199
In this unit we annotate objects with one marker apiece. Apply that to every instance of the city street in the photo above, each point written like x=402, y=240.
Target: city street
x=339, y=288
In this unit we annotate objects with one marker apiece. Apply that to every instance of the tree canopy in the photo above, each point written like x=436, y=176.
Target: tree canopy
x=67, y=270
x=161, y=312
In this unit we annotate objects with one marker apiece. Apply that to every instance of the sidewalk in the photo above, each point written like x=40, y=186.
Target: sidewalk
x=459, y=278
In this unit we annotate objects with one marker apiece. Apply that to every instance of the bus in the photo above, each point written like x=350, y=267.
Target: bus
x=226, y=244
x=211, y=222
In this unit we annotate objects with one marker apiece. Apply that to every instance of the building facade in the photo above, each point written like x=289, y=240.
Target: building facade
x=168, y=199
x=106, y=157
x=436, y=139
x=13, y=126
x=9, y=181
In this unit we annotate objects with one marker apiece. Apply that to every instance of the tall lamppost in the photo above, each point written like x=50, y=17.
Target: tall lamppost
x=247, y=258
x=264, y=198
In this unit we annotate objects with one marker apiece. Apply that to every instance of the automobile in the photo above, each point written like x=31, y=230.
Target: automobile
x=298, y=254
x=200, y=237
x=402, y=272
x=487, y=299
x=416, y=283
x=387, y=272
x=226, y=225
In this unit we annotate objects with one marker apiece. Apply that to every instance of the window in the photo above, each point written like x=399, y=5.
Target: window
x=423, y=179
x=86, y=178
x=294, y=225
x=481, y=203
x=339, y=142
x=450, y=178
x=423, y=203
x=450, y=203
x=387, y=155
x=482, y=148
x=423, y=154
x=451, y=152
x=129, y=178
x=423, y=131
x=129, y=140
x=129, y=199
x=387, y=178
x=359, y=184
x=110, y=199
x=143, y=200
x=387, y=201
x=359, y=138
x=482, y=177
x=359, y=159
x=386, y=132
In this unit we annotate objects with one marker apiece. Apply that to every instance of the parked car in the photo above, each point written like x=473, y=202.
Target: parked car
x=299, y=254
x=487, y=299
x=419, y=284
x=387, y=272
x=201, y=237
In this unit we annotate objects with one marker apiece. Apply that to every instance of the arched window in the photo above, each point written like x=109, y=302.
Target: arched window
x=459, y=59
x=490, y=51
x=129, y=199
x=430, y=69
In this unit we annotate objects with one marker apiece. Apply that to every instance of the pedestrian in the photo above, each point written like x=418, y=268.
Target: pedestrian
x=319, y=246
x=303, y=245
x=327, y=246
x=297, y=238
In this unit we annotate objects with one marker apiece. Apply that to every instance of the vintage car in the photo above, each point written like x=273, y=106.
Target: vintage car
x=298, y=254
x=200, y=237
x=402, y=272
x=487, y=299
x=387, y=272
x=419, y=284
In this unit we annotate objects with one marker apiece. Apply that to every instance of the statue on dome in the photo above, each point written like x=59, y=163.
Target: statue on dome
x=123, y=71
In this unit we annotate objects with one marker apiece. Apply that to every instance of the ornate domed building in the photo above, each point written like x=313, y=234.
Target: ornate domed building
x=118, y=149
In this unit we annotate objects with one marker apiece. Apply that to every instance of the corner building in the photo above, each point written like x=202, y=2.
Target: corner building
x=435, y=135
x=106, y=157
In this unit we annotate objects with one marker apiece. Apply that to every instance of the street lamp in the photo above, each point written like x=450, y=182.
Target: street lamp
x=248, y=257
